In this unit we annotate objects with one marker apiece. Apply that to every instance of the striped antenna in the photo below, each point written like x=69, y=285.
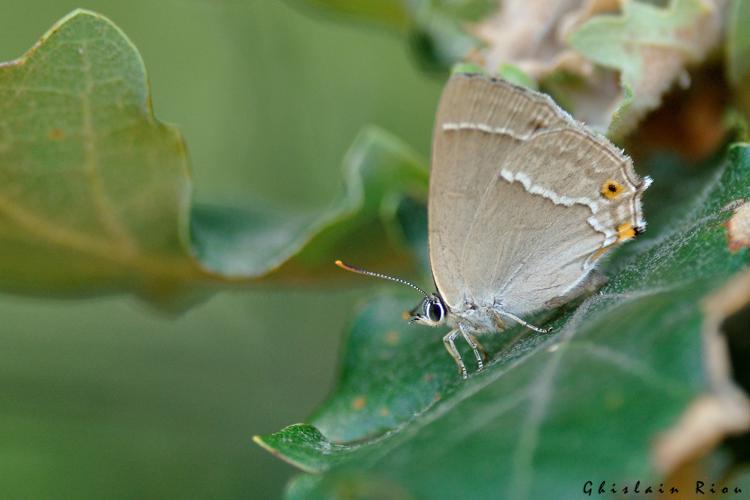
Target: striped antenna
x=357, y=270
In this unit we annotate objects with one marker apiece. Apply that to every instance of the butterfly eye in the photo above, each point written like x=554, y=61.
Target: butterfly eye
x=435, y=311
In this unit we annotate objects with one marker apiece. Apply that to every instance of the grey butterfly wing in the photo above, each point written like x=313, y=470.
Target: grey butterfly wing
x=519, y=207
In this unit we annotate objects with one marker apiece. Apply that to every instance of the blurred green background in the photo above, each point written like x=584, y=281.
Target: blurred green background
x=109, y=399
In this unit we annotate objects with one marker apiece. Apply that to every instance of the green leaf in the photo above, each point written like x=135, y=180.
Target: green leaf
x=551, y=411
x=466, y=68
x=304, y=447
x=508, y=71
x=516, y=75
x=96, y=192
x=740, y=480
x=648, y=45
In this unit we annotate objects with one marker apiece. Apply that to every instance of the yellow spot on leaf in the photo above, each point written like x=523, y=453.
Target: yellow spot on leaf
x=358, y=403
x=56, y=134
x=613, y=400
x=391, y=338
x=611, y=189
x=384, y=412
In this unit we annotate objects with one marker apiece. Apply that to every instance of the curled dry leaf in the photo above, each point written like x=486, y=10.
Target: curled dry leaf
x=650, y=48
x=725, y=409
x=531, y=34
x=588, y=43
x=691, y=122
x=538, y=46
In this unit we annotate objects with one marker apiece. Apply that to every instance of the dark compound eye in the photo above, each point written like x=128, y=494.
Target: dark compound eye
x=435, y=312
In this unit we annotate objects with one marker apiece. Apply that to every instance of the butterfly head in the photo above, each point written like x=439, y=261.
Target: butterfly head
x=431, y=311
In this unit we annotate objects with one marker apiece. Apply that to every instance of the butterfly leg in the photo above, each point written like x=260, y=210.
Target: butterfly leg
x=450, y=346
x=518, y=320
x=479, y=351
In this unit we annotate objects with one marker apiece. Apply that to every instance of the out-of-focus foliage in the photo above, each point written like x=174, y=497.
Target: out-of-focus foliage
x=296, y=247
x=738, y=43
x=650, y=47
x=388, y=12
x=579, y=49
x=97, y=192
x=436, y=27
x=738, y=52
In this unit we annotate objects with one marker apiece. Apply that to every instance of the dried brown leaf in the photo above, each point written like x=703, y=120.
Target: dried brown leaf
x=738, y=228
x=724, y=410
x=578, y=49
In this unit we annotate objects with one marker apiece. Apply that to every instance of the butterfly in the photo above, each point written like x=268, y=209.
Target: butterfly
x=523, y=201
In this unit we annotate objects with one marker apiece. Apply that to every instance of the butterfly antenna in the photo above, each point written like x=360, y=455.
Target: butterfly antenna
x=357, y=270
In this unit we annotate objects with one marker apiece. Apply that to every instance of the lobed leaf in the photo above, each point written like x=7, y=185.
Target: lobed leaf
x=551, y=411
x=96, y=193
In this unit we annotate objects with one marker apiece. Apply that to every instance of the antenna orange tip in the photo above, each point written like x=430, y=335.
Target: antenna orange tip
x=343, y=266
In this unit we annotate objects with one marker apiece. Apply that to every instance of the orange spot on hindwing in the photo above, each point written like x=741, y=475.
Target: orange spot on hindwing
x=611, y=189
x=625, y=232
